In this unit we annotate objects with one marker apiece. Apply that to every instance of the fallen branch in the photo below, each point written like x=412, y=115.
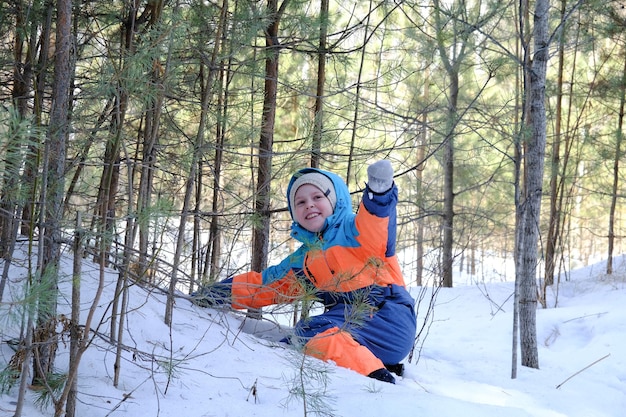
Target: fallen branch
x=584, y=317
x=585, y=368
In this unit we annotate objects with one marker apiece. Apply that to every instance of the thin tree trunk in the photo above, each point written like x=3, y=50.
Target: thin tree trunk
x=117, y=364
x=31, y=167
x=451, y=65
x=7, y=258
x=319, y=94
x=22, y=81
x=122, y=280
x=189, y=187
x=448, y=185
x=357, y=94
x=214, y=229
x=196, y=244
x=619, y=136
x=106, y=193
x=104, y=215
x=24, y=371
x=197, y=153
x=105, y=204
x=520, y=117
x=555, y=168
x=568, y=143
x=149, y=154
x=79, y=160
x=422, y=140
x=75, y=332
x=82, y=345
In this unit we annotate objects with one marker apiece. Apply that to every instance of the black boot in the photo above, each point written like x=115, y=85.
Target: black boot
x=397, y=368
x=384, y=375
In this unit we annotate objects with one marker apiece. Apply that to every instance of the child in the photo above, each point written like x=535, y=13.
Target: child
x=348, y=260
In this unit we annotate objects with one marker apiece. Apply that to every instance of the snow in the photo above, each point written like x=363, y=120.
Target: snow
x=218, y=363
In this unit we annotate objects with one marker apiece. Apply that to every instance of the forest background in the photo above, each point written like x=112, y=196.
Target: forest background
x=160, y=136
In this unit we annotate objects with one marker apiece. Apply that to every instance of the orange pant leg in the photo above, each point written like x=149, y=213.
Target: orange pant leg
x=338, y=346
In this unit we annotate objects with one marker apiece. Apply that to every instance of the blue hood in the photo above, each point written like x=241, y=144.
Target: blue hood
x=342, y=217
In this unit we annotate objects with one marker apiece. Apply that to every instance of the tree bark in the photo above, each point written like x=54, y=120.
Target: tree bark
x=260, y=238
x=214, y=246
x=261, y=232
x=13, y=159
x=451, y=66
x=421, y=140
x=555, y=166
x=55, y=161
x=198, y=151
x=31, y=168
x=619, y=137
x=318, y=115
x=534, y=167
x=75, y=332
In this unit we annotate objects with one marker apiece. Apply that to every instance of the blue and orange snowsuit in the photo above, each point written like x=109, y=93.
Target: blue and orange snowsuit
x=369, y=320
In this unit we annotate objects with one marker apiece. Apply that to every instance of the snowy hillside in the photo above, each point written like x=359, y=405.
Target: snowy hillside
x=215, y=363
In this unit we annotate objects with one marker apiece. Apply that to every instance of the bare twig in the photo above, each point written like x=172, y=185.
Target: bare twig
x=585, y=368
x=254, y=391
x=584, y=317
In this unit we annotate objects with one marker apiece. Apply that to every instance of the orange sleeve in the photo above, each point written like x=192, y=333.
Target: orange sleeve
x=248, y=290
x=373, y=231
x=373, y=237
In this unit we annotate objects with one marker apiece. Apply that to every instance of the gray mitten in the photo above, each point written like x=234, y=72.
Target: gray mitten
x=380, y=176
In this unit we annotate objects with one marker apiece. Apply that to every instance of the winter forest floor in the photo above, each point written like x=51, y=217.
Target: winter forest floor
x=217, y=363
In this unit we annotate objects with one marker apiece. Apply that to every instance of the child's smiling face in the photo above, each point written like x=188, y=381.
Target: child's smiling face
x=312, y=207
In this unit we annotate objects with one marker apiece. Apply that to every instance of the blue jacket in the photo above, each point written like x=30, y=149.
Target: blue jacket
x=352, y=251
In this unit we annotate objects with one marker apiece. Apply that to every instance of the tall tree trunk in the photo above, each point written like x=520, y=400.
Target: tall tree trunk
x=105, y=205
x=213, y=251
x=451, y=65
x=118, y=321
x=214, y=229
x=448, y=184
x=14, y=159
x=521, y=76
x=319, y=94
x=198, y=151
x=357, y=94
x=148, y=152
x=568, y=141
x=189, y=188
x=422, y=140
x=53, y=209
x=619, y=137
x=533, y=175
x=31, y=168
x=80, y=339
x=555, y=167
x=261, y=233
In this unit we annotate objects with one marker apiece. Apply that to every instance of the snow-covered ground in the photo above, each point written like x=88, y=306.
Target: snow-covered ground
x=217, y=363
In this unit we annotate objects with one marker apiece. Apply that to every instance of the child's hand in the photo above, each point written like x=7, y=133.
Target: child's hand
x=380, y=176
